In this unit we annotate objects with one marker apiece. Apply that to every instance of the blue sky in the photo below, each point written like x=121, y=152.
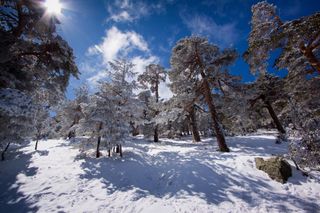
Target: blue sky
x=146, y=31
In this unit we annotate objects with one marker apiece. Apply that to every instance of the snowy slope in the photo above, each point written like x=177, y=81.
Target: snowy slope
x=174, y=176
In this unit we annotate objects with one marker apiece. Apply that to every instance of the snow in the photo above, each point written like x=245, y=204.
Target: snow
x=171, y=176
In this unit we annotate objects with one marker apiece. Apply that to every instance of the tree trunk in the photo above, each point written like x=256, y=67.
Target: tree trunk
x=99, y=139
x=120, y=149
x=98, y=147
x=194, y=126
x=156, y=137
x=307, y=52
x=134, y=130
x=2, y=154
x=216, y=126
x=274, y=117
x=36, y=147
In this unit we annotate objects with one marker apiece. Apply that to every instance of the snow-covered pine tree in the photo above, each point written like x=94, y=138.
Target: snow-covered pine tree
x=32, y=55
x=68, y=115
x=148, y=113
x=205, y=124
x=304, y=118
x=299, y=44
x=185, y=98
x=16, y=118
x=33, y=59
x=108, y=113
x=128, y=108
x=97, y=118
x=41, y=124
x=171, y=119
x=152, y=77
x=298, y=40
x=234, y=111
x=70, y=112
x=204, y=66
x=265, y=91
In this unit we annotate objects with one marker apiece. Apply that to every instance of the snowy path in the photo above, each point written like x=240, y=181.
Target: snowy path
x=174, y=176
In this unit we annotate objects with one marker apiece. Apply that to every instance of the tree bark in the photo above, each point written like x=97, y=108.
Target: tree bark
x=2, y=154
x=194, y=126
x=99, y=127
x=274, y=117
x=36, y=147
x=98, y=147
x=307, y=52
x=216, y=126
x=120, y=150
x=156, y=136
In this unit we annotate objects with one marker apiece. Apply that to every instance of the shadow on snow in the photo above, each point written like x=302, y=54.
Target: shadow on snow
x=11, y=199
x=170, y=174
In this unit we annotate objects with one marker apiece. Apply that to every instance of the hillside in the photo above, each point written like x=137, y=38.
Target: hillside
x=172, y=176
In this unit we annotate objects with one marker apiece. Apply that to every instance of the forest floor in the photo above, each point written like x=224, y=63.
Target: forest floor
x=171, y=176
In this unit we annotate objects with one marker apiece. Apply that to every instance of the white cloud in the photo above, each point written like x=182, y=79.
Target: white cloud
x=117, y=44
x=122, y=16
x=94, y=80
x=223, y=35
x=129, y=10
x=88, y=66
x=141, y=63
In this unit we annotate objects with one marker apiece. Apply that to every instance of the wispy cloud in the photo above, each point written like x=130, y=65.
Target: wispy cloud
x=141, y=63
x=117, y=43
x=222, y=34
x=130, y=10
x=94, y=80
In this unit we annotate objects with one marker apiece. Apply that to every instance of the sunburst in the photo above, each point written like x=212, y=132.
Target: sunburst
x=53, y=7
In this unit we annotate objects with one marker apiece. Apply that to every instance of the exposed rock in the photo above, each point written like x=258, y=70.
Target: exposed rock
x=277, y=168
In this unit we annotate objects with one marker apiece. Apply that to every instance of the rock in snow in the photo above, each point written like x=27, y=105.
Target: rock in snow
x=277, y=168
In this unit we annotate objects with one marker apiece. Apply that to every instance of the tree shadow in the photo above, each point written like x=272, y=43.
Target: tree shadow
x=42, y=152
x=171, y=174
x=12, y=199
x=257, y=145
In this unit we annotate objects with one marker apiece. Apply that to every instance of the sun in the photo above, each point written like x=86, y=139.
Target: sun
x=53, y=6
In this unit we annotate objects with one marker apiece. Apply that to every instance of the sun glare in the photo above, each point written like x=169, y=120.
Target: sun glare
x=53, y=6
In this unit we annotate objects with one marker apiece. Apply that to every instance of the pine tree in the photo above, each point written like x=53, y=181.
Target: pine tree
x=34, y=61
x=203, y=65
x=16, y=115
x=108, y=113
x=153, y=76
x=148, y=113
x=298, y=40
x=32, y=55
x=299, y=44
x=268, y=89
x=41, y=124
x=185, y=98
x=304, y=118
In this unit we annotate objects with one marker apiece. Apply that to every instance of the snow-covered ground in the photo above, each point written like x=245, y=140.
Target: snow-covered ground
x=172, y=176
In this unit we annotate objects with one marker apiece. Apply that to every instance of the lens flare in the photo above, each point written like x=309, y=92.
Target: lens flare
x=53, y=6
